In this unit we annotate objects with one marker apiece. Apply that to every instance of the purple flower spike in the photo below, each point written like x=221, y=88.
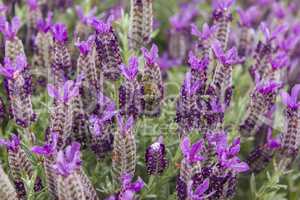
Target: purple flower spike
x=291, y=101
x=223, y=4
x=85, y=18
x=85, y=46
x=191, y=152
x=47, y=149
x=125, y=126
x=44, y=25
x=189, y=87
x=59, y=32
x=99, y=25
x=12, y=70
x=131, y=70
x=151, y=56
x=69, y=160
x=277, y=31
x=32, y=4
x=272, y=143
x=207, y=32
x=199, y=193
x=229, y=58
x=280, y=61
x=129, y=189
x=268, y=87
x=12, y=144
x=65, y=93
x=249, y=16
x=10, y=30
x=197, y=64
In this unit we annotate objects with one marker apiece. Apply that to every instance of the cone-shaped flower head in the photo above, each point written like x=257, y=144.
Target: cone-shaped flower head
x=227, y=156
x=69, y=160
x=199, y=192
x=229, y=58
x=291, y=101
x=32, y=4
x=10, y=30
x=66, y=92
x=125, y=126
x=198, y=64
x=128, y=188
x=49, y=148
x=59, y=32
x=85, y=18
x=270, y=36
x=130, y=72
x=13, y=70
x=249, y=16
x=85, y=46
x=191, y=151
x=11, y=144
x=191, y=88
x=156, y=157
x=44, y=25
x=151, y=56
x=206, y=33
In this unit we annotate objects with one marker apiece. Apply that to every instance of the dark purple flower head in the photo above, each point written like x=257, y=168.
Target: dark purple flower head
x=47, y=149
x=12, y=144
x=280, y=61
x=223, y=4
x=270, y=36
x=59, y=32
x=207, y=32
x=272, y=143
x=69, y=160
x=125, y=126
x=85, y=46
x=130, y=72
x=13, y=70
x=199, y=192
x=84, y=18
x=229, y=58
x=10, y=30
x=165, y=62
x=150, y=56
x=128, y=189
x=227, y=157
x=44, y=25
x=66, y=92
x=32, y=5
x=291, y=101
x=189, y=87
x=249, y=16
x=268, y=87
x=197, y=64
x=99, y=25
x=279, y=10
x=191, y=151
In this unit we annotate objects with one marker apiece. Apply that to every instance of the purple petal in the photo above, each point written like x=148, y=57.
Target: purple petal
x=59, y=32
x=201, y=189
x=217, y=48
x=240, y=167
x=52, y=91
x=286, y=99
x=295, y=92
x=137, y=186
x=185, y=146
x=129, y=124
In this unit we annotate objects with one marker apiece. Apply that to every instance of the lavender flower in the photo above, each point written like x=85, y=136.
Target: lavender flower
x=155, y=157
x=65, y=93
x=59, y=32
x=270, y=36
x=130, y=92
x=141, y=23
x=124, y=148
x=191, y=151
x=279, y=10
x=198, y=68
x=129, y=189
x=108, y=51
x=47, y=149
x=19, y=96
x=248, y=17
x=10, y=30
x=206, y=33
x=44, y=25
x=228, y=58
x=199, y=193
x=82, y=29
x=152, y=84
